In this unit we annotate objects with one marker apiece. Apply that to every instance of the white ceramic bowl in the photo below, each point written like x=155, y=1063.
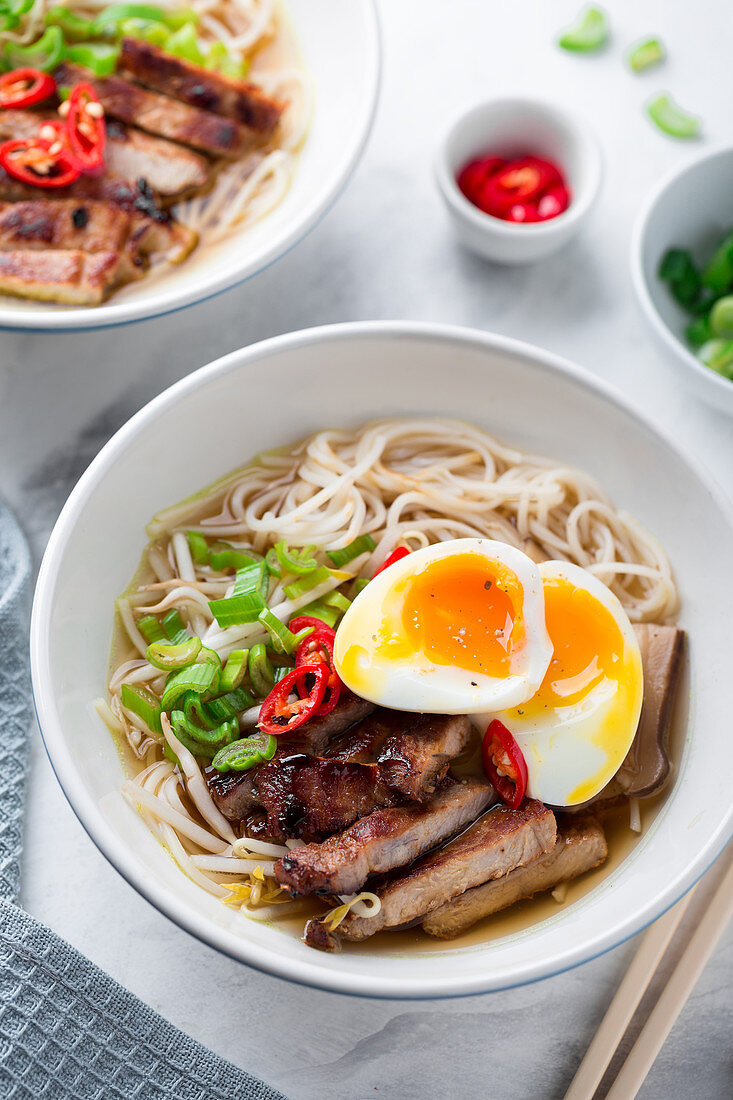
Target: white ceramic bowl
x=691, y=208
x=529, y=398
x=513, y=127
x=340, y=48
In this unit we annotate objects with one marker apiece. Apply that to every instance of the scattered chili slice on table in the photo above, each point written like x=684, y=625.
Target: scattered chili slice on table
x=24, y=87
x=85, y=125
x=279, y=714
x=34, y=161
x=317, y=649
x=504, y=764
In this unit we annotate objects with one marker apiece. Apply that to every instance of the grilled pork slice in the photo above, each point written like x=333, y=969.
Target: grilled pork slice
x=386, y=839
x=494, y=845
x=233, y=792
x=647, y=764
x=213, y=134
x=59, y=275
x=170, y=170
x=315, y=734
x=414, y=760
x=309, y=797
x=581, y=845
x=89, y=226
x=17, y=124
x=239, y=100
x=363, y=742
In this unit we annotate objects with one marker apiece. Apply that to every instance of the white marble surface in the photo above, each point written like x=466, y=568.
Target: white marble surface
x=385, y=251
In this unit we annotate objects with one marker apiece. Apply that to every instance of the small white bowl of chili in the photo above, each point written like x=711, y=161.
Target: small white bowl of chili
x=536, y=166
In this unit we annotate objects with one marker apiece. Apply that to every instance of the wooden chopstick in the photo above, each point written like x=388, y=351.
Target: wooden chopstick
x=626, y=1001
x=669, y=1005
x=675, y=994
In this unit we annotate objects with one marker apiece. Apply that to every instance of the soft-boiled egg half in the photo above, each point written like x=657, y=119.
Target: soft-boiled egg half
x=575, y=731
x=454, y=628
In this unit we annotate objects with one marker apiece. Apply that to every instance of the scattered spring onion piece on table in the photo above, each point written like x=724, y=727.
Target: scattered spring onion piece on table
x=644, y=54
x=242, y=755
x=588, y=33
x=668, y=117
x=721, y=318
x=141, y=701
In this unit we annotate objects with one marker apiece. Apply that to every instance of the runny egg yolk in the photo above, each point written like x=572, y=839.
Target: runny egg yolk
x=463, y=611
x=588, y=646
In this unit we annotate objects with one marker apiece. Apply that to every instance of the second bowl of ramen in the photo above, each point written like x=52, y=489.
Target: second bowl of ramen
x=400, y=669
x=174, y=156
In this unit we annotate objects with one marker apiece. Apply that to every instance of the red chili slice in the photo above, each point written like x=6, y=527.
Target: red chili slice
x=87, y=132
x=523, y=212
x=24, y=87
x=553, y=202
x=519, y=181
x=474, y=175
x=33, y=161
x=278, y=714
x=317, y=649
x=400, y=552
x=501, y=751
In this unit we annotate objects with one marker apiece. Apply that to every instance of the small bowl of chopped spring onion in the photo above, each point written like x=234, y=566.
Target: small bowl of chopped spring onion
x=682, y=268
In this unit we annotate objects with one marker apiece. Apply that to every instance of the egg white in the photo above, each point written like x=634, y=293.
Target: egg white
x=417, y=683
x=573, y=751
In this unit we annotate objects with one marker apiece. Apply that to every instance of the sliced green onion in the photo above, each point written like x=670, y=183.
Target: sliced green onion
x=359, y=546
x=175, y=631
x=110, y=18
x=260, y=669
x=237, y=609
x=151, y=629
x=282, y=672
x=184, y=43
x=698, y=331
x=199, y=678
x=319, y=610
x=273, y=562
x=75, y=27
x=671, y=119
x=283, y=640
x=223, y=556
x=360, y=584
x=245, y=753
x=718, y=355
x=154, y=33
x=336, y=599
x=202, y=742
x=99, y=57
x=195, y=711
x=198, y=546
x=644, y=54
x=679, y=270
x=219, y=58
x=247, y=599
x=229, y=705
x=234, y=670
x=301, y=562
x=721, y=317
x=302, y=585
x=718, y=271
x=141, y=701
x=44, y=54
x=588, y=33
x=172, y=657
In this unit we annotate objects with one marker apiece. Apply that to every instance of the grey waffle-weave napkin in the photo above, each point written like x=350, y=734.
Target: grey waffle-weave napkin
x=66, y=1028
